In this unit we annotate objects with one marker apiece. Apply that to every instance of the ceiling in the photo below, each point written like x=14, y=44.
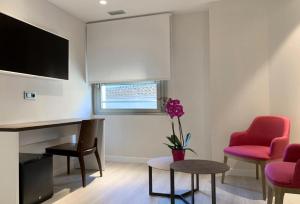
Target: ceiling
x=91, y=10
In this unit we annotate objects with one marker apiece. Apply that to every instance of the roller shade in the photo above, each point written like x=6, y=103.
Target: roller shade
x=131, y=49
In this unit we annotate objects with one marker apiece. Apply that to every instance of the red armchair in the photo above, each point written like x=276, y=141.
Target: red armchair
x=265, y=140
x=284, y=177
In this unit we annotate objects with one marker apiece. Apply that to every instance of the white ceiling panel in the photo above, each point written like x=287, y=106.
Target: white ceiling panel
x=91, y=10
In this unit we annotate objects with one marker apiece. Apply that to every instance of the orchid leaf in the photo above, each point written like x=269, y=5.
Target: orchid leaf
x=191, y=150
x=170, y=146
x=187, y=139
x=176, y=141
x=171, y=140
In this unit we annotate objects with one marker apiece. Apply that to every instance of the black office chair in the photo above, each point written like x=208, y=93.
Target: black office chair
x=87, y=144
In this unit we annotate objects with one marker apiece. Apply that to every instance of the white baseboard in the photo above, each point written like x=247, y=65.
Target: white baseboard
x=143, y=160
x=241, y=172
x=124, y=159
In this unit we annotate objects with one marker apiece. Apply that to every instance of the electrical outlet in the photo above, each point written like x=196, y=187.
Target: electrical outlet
x=29, y=95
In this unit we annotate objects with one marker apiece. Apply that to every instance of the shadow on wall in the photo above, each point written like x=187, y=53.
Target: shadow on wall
x=43, y=86
x=48, y=87
x=254, y=65
x=284, y=52
x=239, y=81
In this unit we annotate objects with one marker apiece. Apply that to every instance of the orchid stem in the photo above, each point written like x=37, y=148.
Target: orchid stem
x=181, y=133
x=173, y=128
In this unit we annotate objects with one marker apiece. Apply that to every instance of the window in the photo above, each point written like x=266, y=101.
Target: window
x=129, y=97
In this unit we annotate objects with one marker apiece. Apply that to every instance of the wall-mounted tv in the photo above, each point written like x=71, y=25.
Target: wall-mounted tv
x=29, y=50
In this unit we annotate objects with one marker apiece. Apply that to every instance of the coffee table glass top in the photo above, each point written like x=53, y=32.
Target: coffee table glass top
x=199, y=167
x=162, y=163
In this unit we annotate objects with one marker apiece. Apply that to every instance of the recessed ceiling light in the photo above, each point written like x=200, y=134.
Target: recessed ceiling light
x=103, y=2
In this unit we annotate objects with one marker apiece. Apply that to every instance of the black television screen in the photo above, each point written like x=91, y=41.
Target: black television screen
x=30, y=50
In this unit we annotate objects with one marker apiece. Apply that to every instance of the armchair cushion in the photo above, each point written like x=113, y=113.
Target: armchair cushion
x=249, y=151
x=281, y=174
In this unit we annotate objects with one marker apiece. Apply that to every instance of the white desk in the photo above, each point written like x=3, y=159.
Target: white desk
x=9, y=153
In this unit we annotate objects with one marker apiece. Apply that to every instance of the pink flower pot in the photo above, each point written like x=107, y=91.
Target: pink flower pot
x=178, y=155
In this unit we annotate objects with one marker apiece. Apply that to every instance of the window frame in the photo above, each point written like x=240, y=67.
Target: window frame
x=161, y=100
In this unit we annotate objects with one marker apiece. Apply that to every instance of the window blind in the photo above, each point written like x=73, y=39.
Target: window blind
x=131, y=49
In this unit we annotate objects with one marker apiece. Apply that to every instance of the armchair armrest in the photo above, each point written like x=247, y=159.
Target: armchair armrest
x=296, y=177
x=292, y=153
x=238, y=138
x=278, y=146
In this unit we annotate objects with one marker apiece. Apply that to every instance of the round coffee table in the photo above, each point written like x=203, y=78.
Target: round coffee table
x=163, y=163
x=196, y=167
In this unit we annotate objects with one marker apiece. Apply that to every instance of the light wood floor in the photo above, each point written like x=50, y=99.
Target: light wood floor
x=128, y=184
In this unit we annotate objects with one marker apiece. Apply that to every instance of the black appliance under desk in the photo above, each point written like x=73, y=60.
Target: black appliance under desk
x=35, y=177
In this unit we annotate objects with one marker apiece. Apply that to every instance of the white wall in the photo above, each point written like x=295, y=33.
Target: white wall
x=143, y=136
x=219, y=97
x=254, y=66
x=189, y=79
x=254, y=69
x=239, y=76
x=55, y=99
x=284, y=61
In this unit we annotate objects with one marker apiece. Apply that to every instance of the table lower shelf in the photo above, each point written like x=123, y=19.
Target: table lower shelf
x=181, y=196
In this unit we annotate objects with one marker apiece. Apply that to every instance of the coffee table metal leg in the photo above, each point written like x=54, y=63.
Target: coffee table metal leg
x=172, y=186
x=168, y=195
x=150, y=180
x=213, y=188
x=193, y=188
x=197, y=180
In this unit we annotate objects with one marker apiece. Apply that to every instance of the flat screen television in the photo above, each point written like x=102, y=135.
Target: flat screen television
x=30, y=50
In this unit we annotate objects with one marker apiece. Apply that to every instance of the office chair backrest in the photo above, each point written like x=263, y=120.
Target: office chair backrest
x=88, y=133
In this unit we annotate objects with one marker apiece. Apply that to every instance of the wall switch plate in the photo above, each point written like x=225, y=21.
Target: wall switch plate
x=28, y=95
